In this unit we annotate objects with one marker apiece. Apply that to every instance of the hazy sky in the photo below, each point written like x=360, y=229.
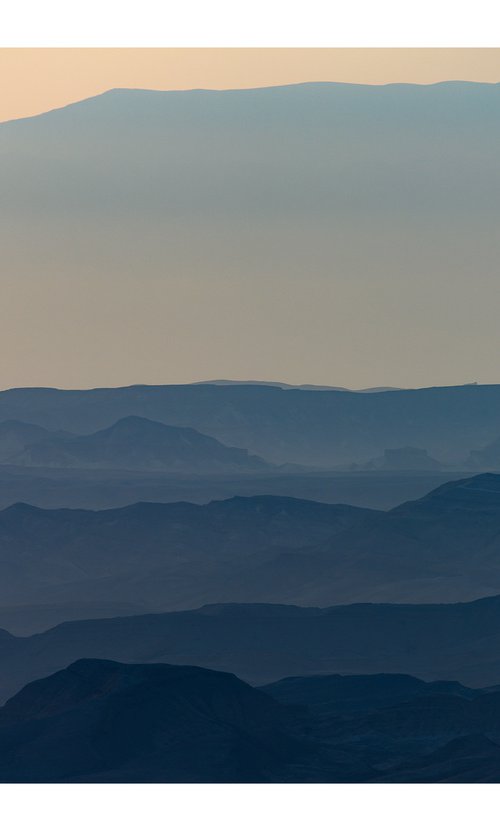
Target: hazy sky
x=336, y=235
x=36, y=80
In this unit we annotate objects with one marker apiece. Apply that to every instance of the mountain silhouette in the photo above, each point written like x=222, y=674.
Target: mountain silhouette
x=321, y=428
x=284, y=386
x=441, y=547
x=166, y=617
x=102, y=721
x=138, y=443
x=150, y=555
x=159, y=557
x=262, y=643
x=103, y=488
x=336, y=694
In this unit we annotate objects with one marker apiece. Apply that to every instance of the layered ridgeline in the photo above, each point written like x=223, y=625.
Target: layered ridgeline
x=161, y=723
x=262, y=643
x=61, y=564
x=405, y=730
x=132, y=443
x=103, y=488
x=443, y=547
x=322, y=428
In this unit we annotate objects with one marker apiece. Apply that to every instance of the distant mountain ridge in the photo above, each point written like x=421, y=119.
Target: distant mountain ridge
x=151, y=555
x=442, y=547
x=167, y=613
x=285, y=386
x=320, y=428
x=98, y=489
x=137, y=443
x=266, y=549
x=263, y=643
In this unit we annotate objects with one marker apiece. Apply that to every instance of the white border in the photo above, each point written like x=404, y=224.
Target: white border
x=248, y=808
x=197, y=23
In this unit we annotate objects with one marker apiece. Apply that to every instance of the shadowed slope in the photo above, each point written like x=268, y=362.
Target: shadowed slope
x=142, y=723
x=100, y=721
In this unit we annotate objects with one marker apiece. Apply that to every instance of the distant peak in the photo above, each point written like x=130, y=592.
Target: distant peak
x=271, y=501
x=143, y=424
x=22, y=508
x=135, y=420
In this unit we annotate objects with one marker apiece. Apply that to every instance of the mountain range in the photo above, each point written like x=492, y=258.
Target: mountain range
x=285, y=386
x=442, y=547
x=251, y=581
x=149, y=556
x=355, y=692
x=262, y=643
x=319, y=428
x=102, y=488
x=101, y=721
x=266, y=549
x=132, y=443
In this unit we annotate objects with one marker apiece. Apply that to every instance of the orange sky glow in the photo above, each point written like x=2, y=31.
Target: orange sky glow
x=37, y=80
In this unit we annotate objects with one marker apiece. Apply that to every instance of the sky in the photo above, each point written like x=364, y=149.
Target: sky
x=36, y=80
x=348, y=241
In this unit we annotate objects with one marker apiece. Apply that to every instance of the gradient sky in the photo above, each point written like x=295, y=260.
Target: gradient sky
x=348, y=240
x=36, y=80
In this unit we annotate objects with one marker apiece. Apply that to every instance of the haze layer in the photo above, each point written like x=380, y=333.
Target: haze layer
x=332, y=233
